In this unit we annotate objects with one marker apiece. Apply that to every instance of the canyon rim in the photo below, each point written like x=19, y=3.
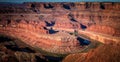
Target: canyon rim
x=60, y=32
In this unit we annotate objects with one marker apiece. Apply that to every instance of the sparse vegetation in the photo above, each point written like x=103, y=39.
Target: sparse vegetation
x=30, y=23
x=104, y=53
x=49, y=53
x=13, y=49
x=94, y=44
x=75, y=33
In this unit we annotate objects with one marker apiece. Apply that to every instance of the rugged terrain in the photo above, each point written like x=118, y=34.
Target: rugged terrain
x=14, y=50
x=104, y=53
x=64, y=28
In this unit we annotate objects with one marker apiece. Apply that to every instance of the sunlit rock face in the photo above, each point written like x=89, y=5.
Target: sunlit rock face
x=96, y=55
x=48, y=25
x=101, y=16
x=35, y=34
x=104, y=29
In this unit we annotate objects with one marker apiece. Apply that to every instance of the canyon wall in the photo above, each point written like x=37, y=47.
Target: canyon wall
x=28, y=21
x=72, y=15
x=104, y=17
x=104, y=53
x=37, y=36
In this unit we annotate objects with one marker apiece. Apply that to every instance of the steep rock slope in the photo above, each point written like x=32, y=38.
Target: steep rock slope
x=36, y=35
x=105, y=53
x=14, y=50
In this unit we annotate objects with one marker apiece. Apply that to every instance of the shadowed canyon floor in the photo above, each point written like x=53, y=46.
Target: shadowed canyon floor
x=60, y=32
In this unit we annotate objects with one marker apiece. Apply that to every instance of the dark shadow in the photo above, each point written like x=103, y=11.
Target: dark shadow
x=12, y=47
x=88, y=5
x=71, y=17
x=36, y=10
x=83, y=26
x=45, y=28
x=32, y=5
x=72, y=4
x=48, y=6
x=18, y=20
x=8, y=21
x=11, y=44
x=54, y=59
x=16, y=48
x=38, y=59
x=50, y=24
x=113, y=3
x=66, y=6
x=22, y=15
x=0, y=20
x=51, y=31
x=26, y=49
x=73, y=20
x=83, y=41
x=102, y=6
x=4, y=39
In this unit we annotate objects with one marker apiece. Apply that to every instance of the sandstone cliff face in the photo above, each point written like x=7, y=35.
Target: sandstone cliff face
x=104, y=53
x=27, y=25
x=71, y=15
x=35, y=34
x=80, y=5
x=33, y=18
x=67, y=24
x=104, y=29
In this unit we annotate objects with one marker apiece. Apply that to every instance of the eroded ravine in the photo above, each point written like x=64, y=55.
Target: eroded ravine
x=39, y=40
x=63, y=28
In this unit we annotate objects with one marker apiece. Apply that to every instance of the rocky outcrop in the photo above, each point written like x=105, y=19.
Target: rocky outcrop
x=67, y=24
x=29, y=21
x=78, y=5
x=104, y=38
x=71, y=15
x=27, y=25
x=13, y=49
x=94, y=6
x=104, y=29
x=105, y=53
x=47, y=43
x=36, y=35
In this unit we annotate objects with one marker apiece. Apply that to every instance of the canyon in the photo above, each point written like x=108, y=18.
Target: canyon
x=63, y=28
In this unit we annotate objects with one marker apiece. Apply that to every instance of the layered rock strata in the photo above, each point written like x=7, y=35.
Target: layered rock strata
x=103, y=16
x=35, y=35
x=28, y=22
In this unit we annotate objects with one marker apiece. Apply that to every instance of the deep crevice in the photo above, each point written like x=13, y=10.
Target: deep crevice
x=66, y=6
x=48, y=6
x=83, y=42
x=83, y=26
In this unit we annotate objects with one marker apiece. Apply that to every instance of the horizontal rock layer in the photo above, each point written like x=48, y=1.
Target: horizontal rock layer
x=28, y=22
x=36, y=36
